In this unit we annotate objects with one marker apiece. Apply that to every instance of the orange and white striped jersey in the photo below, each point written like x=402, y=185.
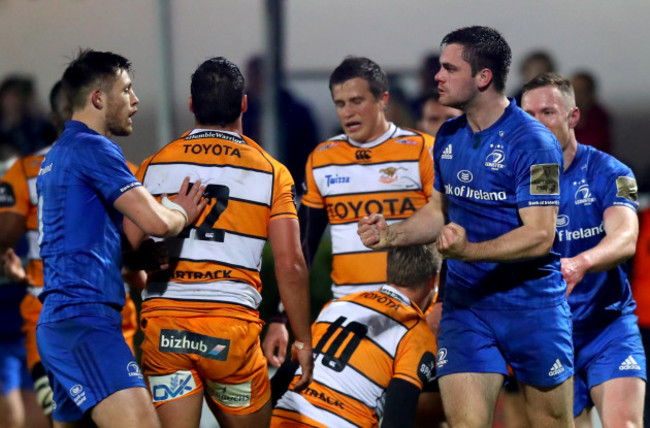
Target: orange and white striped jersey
x=18, y=195
x=218, y=259
x=392, y=175
x=360, y=343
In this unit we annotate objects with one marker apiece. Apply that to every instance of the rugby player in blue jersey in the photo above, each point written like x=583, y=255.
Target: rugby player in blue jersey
x=597, y=233
x=85, y=189
x=493, y=214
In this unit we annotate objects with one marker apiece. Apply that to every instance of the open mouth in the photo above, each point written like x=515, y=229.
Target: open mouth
x=353, y=126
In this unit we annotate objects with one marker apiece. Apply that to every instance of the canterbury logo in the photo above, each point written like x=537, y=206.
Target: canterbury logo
x=363, y=155
x=446, y=153
x=556, y=369
x=629, y=364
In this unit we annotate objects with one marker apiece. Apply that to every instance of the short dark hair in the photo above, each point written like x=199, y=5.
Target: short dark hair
x=551, y=79
x=91, y=69
x=366, y=69
x=483, y=47
x=217, y=90
x=413, y=266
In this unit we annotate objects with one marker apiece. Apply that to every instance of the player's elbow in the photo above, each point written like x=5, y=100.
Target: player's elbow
x=629, y=249
x=292, y=268
x=543, y=242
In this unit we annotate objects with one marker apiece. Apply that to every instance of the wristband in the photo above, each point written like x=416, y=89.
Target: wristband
x=174, y=206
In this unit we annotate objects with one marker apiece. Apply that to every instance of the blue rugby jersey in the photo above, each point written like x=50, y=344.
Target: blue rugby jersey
x=486, y=177
x=79, y=180
x=594, y=182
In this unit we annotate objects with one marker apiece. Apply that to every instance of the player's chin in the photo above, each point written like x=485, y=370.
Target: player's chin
x=122, y=131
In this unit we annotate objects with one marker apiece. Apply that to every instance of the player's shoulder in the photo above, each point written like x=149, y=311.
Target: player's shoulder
x=411, y=138
x=387, y=304
x=598, y=158
x=527, y=133
x=332, y=144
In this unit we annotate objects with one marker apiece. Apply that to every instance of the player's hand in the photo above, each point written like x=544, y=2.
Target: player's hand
x=192, y=201
x=13, y=267
x=433, y=318
x=275, y=343
x=373, y=231
x=151, y=256
x=305, y=358
x=135, y=278
x=452, y=241
x=573, y=270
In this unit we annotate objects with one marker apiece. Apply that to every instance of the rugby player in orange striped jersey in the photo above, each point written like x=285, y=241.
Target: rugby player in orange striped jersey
x=374, y=166
x=200, y=316
x=374, y=352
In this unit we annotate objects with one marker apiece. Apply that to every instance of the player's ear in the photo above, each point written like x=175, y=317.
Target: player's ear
x=574, y=117
x=244, y=103
x=483, y=78
x=191, y=105
x=383, y=99
x=97, y=99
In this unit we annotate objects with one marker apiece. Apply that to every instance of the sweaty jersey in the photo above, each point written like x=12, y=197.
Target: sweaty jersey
x=19, y=196
x=392, y=175
x=218, y=259
x=79, y=180
x=594, y=182
x=360, y=343
x=487, y=177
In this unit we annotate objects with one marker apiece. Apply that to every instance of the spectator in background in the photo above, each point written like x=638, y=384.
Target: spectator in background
x=19, y=122
x=594, y=125
x=535, y=63
x=398, y=109
x=427, y=72
x=298, y=126
x=433, y=114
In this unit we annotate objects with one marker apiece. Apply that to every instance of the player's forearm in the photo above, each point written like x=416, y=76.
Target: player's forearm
x=422, y=227
x=610, y=252
x=525, y=242
x=293, y=284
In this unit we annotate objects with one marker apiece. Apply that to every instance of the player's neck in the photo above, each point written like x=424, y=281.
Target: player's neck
x=420, y=296
x=236, y=126
x=92, y=120
x=569, y=152
x=485, y=110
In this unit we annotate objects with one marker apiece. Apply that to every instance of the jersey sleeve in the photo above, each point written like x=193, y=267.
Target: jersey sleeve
x=415, y=360
x=426, y=167
x=537, y=177
x=14, y=190
x=104, y=168
x=312, y=196
x=283, y=204
x=132, y=167
x=619, y=187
